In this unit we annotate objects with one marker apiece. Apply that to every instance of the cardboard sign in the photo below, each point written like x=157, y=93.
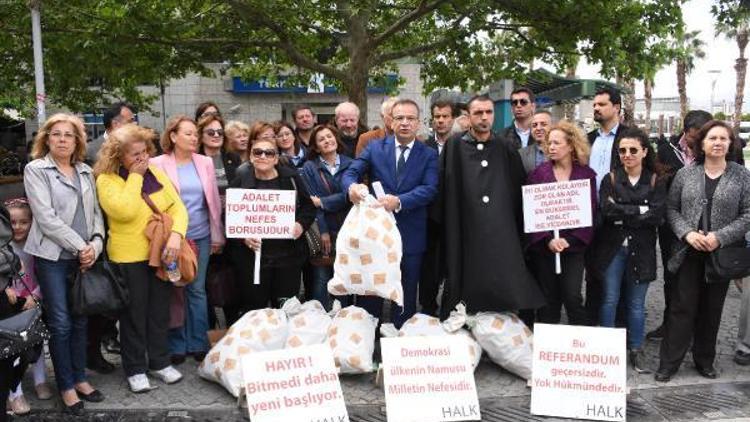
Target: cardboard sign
x=263, y=214
x=299, y=384
x=557, y=206
x=579, y=372
x=428, y=379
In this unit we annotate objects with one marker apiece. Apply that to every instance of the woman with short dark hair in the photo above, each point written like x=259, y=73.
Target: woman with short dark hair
x=708, y=208
x=323, y=172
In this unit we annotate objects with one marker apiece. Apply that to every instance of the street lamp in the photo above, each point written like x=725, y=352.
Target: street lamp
x=714, y=77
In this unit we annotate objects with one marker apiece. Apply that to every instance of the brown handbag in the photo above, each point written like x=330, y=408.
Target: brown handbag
x=157, y=231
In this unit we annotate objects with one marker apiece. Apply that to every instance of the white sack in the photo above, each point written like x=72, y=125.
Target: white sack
x=506, y=339
x=256, y=331
x=368, y=255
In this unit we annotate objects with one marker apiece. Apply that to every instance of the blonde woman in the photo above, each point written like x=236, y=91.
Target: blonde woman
x=123, y=180
x=66, y=236
x=237, y=135
x=568, y=153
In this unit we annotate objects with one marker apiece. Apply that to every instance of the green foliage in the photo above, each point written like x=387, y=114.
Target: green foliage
x=100, y=50
x=720, y=115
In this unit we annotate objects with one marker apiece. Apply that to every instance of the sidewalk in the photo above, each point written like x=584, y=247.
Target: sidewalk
x=497, y=388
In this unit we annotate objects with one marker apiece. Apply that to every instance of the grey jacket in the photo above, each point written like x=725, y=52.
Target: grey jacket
x=53, y=204
x=528, y=156
x=730, y=212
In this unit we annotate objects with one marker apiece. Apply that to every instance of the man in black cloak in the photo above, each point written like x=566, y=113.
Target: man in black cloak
x=480, y=199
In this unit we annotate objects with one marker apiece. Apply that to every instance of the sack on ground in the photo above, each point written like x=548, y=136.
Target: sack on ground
x=308, y=322
x=506, y=339
x=256, y=331
x=368, y=255
x=425, y=325
x=352, y=339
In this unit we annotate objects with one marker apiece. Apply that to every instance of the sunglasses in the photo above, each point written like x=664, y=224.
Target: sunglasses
x=269, y=153
x=631, y=150
x=214, y=132
x=522, y=102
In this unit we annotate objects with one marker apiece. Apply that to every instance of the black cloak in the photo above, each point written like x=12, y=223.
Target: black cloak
x=482, y=216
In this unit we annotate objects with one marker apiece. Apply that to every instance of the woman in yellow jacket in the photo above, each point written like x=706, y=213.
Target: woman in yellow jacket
x=123, y=177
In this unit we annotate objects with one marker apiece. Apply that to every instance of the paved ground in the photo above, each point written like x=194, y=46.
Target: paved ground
x=493, y=384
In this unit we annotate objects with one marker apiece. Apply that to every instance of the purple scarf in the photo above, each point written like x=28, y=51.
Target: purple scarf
x=150, y=184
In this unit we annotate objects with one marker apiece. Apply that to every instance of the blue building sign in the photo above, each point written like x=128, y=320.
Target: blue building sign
x=263, y=86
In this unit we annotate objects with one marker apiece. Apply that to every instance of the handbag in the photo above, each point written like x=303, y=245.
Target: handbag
x=312, y=236
x=187, y=260
x=99, y=290
x=727, y=262
x=221, y=287
x=314, y=243
x=22, y=331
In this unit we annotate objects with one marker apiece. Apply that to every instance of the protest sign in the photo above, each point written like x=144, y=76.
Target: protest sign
x=428, y=379
x=263, y=214
x=557, y=206
x=579, y=372
x=290, y=385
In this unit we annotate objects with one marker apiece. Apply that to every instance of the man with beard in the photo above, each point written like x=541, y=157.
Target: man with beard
x=386, y=130
x=604, y=158
x=673, y=154
x=346, y=116
x=304, y=121
x=481, y=210
x=532, y=154
x=523, y=107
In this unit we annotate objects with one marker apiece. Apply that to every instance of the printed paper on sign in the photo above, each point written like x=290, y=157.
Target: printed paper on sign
x=579, y=372
x=556, y=206
x=428, y=379
x=258, y=213
x=293, y=385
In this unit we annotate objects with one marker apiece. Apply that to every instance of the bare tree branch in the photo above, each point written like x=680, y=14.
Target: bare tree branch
x=422, y=9
x=285, y=43
x=413, y=51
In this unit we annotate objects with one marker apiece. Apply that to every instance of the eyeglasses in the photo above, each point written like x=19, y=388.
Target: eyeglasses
x=522, y=101
x=632, y=150
x=66, y=135
x=269, y=153
x=407, y=119
x=214, y=132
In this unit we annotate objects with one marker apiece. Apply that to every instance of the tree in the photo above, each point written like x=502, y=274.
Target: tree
x=687, y=47
x=737, y=27
x=98, y=49
x=648, y=89
x=720, y=115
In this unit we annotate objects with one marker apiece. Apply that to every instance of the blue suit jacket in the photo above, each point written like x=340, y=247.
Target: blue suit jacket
x=416, y=189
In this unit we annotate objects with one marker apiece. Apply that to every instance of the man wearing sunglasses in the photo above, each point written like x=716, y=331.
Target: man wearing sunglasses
x=523, y=107
x=408, y=172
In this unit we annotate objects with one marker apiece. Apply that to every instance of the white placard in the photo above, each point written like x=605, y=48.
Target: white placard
x=579, y=372
x=263, y=214
x=293, y=385
x=428, y=379
x=557, y=206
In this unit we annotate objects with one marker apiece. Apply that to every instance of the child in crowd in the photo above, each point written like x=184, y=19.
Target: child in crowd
x=20, y=219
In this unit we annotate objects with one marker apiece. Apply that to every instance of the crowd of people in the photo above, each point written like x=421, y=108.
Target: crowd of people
x=456, y=197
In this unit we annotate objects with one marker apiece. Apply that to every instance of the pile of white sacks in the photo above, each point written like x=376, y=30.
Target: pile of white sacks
x=350, y=332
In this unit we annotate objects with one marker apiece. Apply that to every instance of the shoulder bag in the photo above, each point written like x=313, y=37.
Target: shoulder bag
x=728, y=262
x=22, y=331
x=99, y=290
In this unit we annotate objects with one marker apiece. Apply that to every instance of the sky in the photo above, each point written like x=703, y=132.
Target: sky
x=720, y=55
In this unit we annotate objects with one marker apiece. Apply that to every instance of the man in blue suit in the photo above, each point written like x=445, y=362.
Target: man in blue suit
x=408, y=172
